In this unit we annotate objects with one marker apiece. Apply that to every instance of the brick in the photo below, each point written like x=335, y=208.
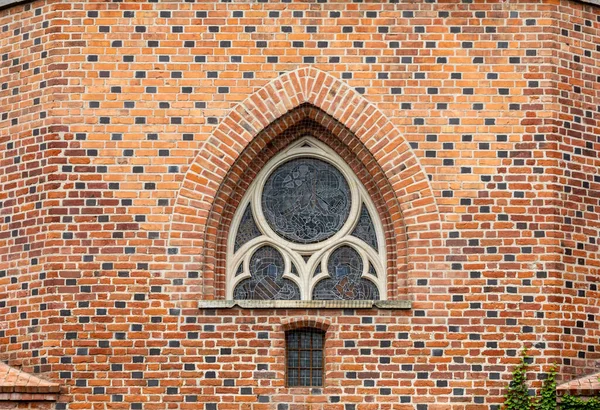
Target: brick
x=129, y=133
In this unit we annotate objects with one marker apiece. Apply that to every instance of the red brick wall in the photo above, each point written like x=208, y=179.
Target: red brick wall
x=30, y=144
x=479, y=122
x=576, y=146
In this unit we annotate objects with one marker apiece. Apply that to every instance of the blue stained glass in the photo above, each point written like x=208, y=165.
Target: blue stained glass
x=372, y=270
x=345, y=267
x=247, y=229
x=266, y=281
x=365, y=229
x=239, y=270
x=317, y=270
x=306, y=200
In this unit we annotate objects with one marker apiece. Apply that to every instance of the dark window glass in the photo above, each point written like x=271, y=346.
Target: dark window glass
x=345, y=280
x=267, y=282
x=306, y=200
x=305, y=359
x=247, y=229
x=364, y=228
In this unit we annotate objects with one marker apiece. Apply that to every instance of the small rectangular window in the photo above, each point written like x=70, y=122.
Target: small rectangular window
x=305, y=359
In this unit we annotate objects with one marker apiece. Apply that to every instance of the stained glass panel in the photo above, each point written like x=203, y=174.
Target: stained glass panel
x=267, y=282
x=306, y=200
x=317, y=270
x=365, y=229
x=247, y=229
x=239, y=270
x=372, y=270
x=345, y=267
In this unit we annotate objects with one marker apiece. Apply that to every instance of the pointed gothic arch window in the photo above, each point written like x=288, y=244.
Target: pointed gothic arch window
x=306, y=229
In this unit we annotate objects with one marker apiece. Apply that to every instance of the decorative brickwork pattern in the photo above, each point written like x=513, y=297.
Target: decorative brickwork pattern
x=575, y=145
x=299, y=322
x=129, y=131
x=276, y=107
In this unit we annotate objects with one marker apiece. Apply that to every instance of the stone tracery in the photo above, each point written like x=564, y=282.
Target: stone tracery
x=309, y=212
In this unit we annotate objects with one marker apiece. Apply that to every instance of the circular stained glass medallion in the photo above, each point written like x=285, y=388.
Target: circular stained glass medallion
x=306, y=200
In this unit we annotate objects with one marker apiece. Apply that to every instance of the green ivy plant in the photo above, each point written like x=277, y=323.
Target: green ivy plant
x=569, y=402
x=517, y=396
x=546, y=399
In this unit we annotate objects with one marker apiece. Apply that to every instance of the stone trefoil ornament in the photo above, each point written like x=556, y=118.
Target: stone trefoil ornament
x=306, y=229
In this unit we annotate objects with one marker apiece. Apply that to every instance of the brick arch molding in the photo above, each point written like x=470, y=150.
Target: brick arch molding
x=194, y=228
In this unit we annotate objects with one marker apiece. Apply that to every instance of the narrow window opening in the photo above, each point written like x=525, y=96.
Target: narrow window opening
x=305, y=360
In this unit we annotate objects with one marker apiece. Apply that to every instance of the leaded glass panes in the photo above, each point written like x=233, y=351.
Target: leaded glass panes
x=345, y=280
x=364, y=228
x=304, y=364
x=372, y=270
x=266, y=282
x=247, y=229
x=306, y=229
x=306, y=200
x=294, y=270
x=317, y=270
x=239, y=270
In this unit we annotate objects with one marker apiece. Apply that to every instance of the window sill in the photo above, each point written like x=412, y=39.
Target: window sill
x=306, y=304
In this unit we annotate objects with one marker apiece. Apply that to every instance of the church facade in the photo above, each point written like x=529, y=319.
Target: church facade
x=337, y=205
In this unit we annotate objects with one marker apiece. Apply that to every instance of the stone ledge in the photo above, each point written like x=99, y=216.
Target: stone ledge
x=17, y=385
x=586, y=386
x=28, y=397
x=306, y=304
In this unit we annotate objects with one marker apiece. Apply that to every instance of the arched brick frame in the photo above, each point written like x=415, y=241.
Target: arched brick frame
x=193, y=231
x=297, y=322
x=301, y=121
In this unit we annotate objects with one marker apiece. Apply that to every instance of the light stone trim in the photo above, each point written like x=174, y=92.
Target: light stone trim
x=319, y=251
x=14, y=397
x=306, y=304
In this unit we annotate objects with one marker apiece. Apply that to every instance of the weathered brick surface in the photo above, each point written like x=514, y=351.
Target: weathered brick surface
x=129, y=130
